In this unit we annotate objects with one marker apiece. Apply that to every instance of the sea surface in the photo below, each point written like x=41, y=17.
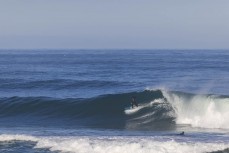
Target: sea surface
x=78, y=101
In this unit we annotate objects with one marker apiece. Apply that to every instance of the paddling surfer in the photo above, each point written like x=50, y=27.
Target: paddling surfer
x=134, y=102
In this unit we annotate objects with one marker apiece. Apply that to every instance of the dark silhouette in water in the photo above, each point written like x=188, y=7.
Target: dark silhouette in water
x=182, y=133
x=134, y=102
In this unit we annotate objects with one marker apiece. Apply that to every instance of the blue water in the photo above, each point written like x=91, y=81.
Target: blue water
x=79, y=100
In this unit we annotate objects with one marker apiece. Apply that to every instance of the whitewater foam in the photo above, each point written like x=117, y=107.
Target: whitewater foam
x=202, y=111
x=115, y=144
x=18, y=137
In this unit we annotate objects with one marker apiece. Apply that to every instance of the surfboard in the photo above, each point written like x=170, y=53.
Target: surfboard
x=131, y=110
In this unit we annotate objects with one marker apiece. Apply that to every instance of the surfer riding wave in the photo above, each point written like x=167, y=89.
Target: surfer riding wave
x=134, y=102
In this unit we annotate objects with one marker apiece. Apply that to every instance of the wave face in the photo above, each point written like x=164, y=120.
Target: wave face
x=158, y=109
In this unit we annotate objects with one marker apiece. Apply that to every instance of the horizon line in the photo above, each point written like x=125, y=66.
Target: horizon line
x=111, y=49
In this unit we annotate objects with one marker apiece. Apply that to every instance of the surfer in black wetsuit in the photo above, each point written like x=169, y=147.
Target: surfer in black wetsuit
x=182, y=133
x=134, y=102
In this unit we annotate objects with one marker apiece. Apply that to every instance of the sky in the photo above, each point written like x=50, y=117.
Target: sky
x=114, y=24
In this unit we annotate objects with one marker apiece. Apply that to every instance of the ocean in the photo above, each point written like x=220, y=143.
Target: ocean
x=79, y=101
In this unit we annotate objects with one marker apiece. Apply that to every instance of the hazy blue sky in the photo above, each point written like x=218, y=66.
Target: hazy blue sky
x=114, y=24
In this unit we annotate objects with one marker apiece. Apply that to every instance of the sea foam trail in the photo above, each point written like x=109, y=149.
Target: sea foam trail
x=204, y=111
x=105, y=144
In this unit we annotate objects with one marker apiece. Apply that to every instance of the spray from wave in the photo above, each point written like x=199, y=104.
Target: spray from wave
x=205, y=111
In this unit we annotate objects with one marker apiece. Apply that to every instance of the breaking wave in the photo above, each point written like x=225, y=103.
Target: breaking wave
x=159, y=109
